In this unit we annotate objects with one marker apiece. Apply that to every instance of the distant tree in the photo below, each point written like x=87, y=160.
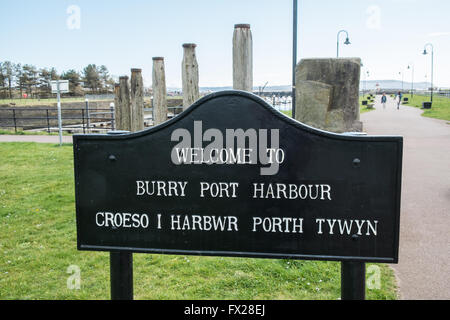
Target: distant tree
x=105, y=77
x=91, y=77
x=8, y=74
x=74, y=81
x=45, y=77
x=2, y=78
x=73, y=77
x=19, y=78
x=29, y=78
x=44, y=80
x=54, y=74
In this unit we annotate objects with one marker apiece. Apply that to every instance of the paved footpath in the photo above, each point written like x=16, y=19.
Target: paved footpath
x=424, y=263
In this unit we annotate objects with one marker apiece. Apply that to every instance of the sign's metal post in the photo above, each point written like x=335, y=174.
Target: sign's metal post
x=59, y=113
x=121, y=265
x=294, y=56
x=88, y=117
x=121, y=268
x=353, y=280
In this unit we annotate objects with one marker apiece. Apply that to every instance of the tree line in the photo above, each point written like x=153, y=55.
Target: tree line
x=17, y=80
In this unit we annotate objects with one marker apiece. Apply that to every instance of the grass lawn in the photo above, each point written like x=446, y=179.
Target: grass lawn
x=439, y=110
x=38, y=244
x=51, y=101
x=38, y=102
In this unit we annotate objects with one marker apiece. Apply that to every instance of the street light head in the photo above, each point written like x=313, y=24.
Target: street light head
x=425, y=51
x=347, y=41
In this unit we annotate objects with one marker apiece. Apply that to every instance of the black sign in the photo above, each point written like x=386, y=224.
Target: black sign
x=231, y=176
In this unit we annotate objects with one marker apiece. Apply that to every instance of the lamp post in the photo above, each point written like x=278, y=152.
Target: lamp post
x=432, y=66
x=365, y=85
x=366, y=74
x=294, y=54
x=347, y=41
x=411, y=66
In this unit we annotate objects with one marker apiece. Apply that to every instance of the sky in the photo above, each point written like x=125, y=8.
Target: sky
x=388, y=35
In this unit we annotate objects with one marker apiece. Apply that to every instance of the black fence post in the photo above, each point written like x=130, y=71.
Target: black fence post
x=353, y=280
x=113, y=116
x=121, y=268
x=48, y=122
x=82, y=116
x=88, y=117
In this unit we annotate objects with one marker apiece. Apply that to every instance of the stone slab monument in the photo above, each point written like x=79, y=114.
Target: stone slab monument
x=327, y=94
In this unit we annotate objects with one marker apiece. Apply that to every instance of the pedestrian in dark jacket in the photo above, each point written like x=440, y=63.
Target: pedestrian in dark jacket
x=399, y=95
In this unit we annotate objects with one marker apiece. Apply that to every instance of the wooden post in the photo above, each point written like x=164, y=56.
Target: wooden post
x=123, y=105
x=159, y=91
x=242, y=58
x=137, y=100
x=191, y=92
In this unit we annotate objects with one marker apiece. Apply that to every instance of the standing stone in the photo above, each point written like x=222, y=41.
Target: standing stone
x=137, y=100
x=159, y=91
x=191, y=92
x=242, y=58
x=123, y=105
x=327, y=93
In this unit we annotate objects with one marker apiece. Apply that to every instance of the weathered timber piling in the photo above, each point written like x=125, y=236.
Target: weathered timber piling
x=327, y=94
x=159, y=91
x=242, y=58
x=123, y=105
x=137, y=100
x=191, y=92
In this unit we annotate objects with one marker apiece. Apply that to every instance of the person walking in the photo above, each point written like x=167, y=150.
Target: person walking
x=399, y=96
x=384, y=100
